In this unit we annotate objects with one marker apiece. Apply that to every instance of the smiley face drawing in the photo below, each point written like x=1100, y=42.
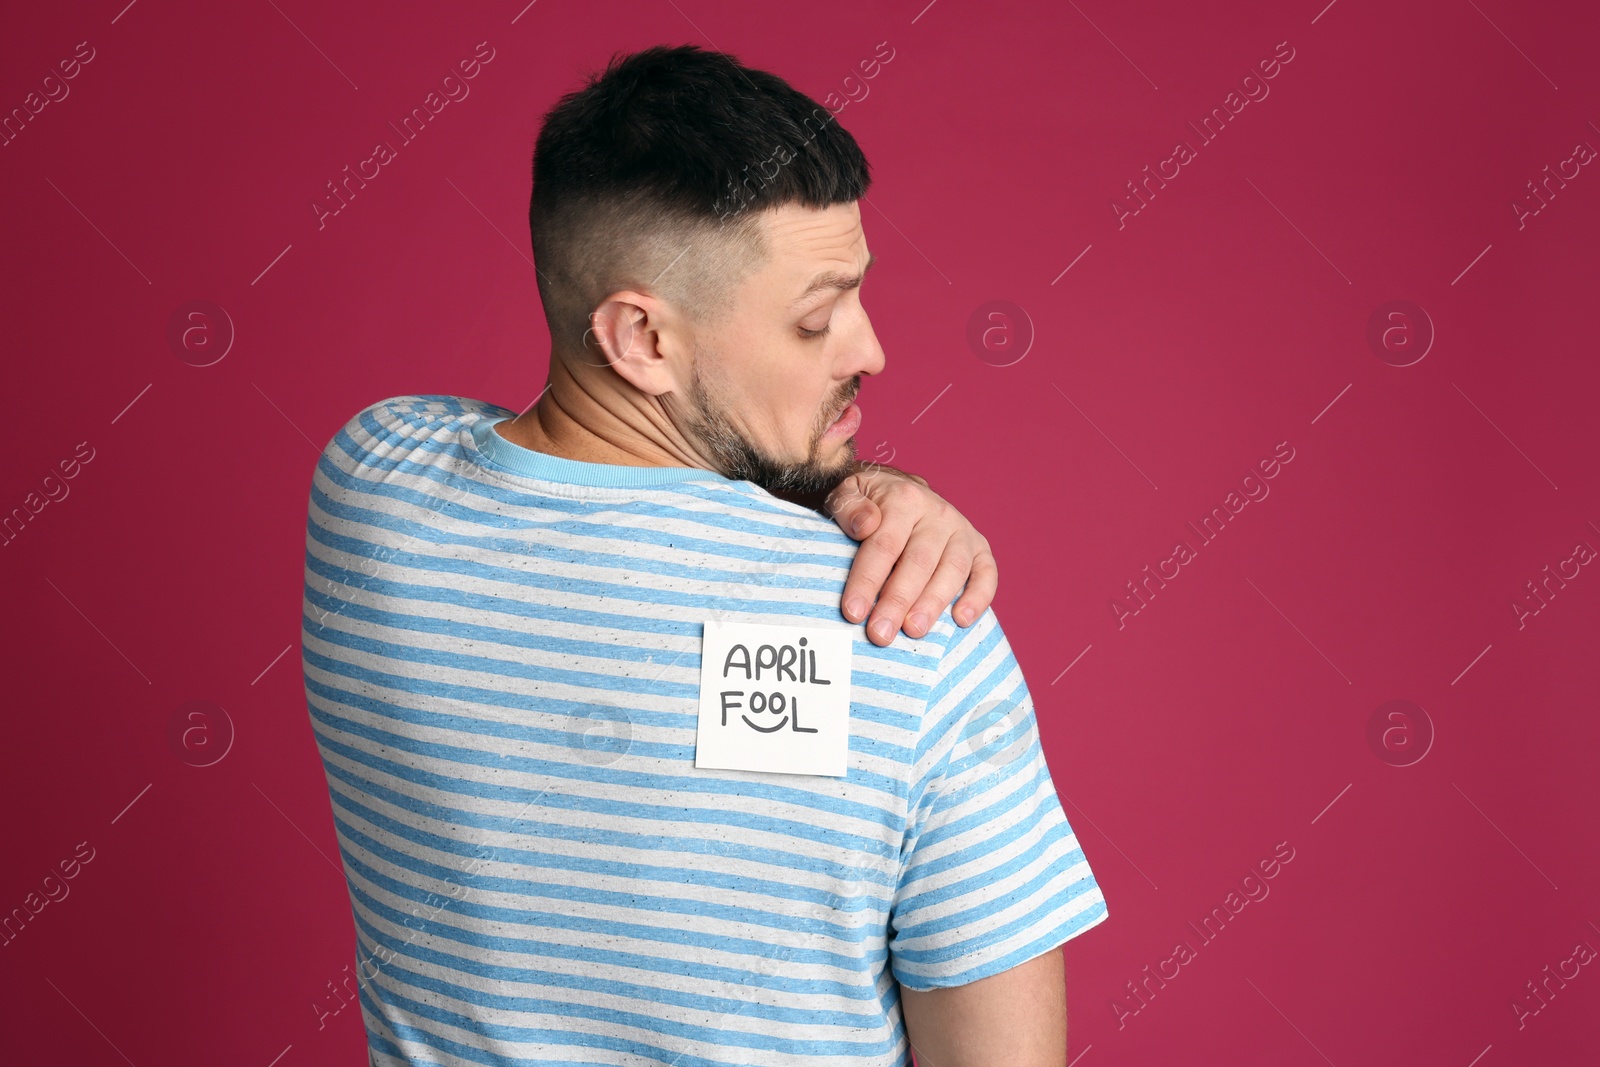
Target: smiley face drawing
x=787, y=707
x=774, y=703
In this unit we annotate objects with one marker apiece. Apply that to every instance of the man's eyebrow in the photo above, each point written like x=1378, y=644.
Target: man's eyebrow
x=835, y=280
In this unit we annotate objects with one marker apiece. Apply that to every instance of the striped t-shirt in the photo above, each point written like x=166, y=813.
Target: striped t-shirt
x=502, y=655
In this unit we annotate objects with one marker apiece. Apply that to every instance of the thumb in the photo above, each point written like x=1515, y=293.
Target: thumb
x=853, y=510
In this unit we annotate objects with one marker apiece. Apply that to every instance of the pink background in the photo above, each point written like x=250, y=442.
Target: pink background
x=1230, y=314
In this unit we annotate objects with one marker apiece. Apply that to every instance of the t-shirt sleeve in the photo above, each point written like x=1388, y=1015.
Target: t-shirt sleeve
x=991, y=872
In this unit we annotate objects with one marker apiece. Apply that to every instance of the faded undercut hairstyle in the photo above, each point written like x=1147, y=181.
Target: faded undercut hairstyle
x=652, y=177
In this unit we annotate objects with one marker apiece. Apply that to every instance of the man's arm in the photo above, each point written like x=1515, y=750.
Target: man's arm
x=917, y=552
x=1017, y=1018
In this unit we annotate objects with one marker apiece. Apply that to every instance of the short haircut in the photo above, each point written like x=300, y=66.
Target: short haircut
x=673, y=149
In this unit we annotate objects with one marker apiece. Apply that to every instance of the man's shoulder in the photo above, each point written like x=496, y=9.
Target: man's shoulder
x=397, y=418
x=958, y=665
x=969, y=652
x=434, y=407
x=979, y=708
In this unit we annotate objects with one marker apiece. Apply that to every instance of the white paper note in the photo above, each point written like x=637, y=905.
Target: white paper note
x=774, y=698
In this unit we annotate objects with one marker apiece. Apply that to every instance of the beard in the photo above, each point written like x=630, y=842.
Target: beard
x=738, y=458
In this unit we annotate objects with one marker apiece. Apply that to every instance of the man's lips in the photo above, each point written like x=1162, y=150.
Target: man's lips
x=848, y=422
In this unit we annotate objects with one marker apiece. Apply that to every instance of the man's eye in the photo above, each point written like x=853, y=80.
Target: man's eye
x=814, y=333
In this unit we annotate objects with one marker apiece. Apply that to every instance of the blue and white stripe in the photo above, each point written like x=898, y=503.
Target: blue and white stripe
x=501, y=655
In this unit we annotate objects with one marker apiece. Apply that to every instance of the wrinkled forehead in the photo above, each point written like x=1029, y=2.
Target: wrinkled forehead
x=811, y=252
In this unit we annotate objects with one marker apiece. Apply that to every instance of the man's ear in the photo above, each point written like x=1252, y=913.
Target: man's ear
x=638, y=336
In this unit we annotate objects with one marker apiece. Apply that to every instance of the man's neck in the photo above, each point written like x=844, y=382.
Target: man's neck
x=568, y=422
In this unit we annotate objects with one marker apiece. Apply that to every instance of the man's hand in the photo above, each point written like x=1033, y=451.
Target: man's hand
x=916, y=553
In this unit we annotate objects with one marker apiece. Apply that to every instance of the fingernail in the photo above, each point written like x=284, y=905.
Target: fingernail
x=882, y=629
x=918, y=621
x=857, y=525
x=855, y=607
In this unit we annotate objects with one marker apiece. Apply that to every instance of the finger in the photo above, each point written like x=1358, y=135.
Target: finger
x=915, y=566
x=942, y=588
x=981, y=584
x=853, y=510
x=874, y=560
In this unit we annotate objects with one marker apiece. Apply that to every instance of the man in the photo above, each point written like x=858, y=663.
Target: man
x=613, y=782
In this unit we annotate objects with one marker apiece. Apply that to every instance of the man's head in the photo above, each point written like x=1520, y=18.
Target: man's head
x=699, y=245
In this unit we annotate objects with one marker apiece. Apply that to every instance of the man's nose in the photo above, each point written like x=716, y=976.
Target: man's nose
x=869, y=358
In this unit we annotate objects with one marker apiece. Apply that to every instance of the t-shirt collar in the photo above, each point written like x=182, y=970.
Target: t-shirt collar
x=508, y=455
